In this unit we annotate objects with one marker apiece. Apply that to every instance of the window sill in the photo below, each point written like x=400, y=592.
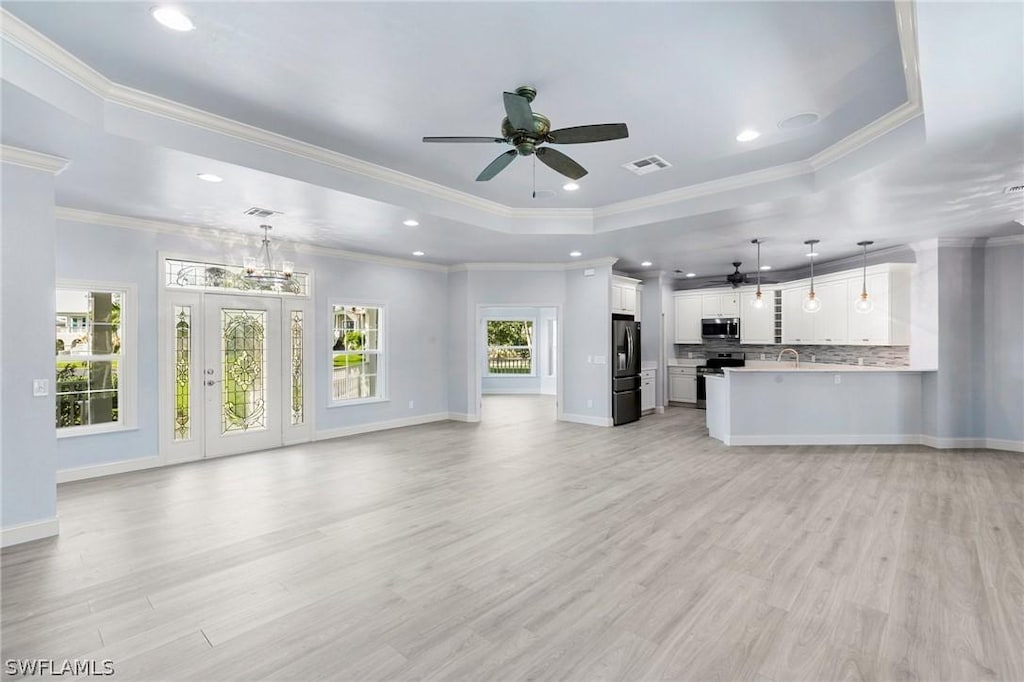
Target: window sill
x=77, y=431
x=359, y=401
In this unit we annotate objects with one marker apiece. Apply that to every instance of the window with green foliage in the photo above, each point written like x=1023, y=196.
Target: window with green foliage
x=357, y=368
x=90, y=358
x=509, y=347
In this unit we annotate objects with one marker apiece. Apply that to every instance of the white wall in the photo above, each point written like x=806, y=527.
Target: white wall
x=460, y=344
x=28, y=445
x=417, y=336
x=1004, y=342
x=587, y=334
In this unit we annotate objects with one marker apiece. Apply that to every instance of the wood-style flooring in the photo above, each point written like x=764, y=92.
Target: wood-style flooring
x=525, y=549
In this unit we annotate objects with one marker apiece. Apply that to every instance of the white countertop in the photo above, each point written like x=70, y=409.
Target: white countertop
x=788, y=367
x=686, y=362
x=653, y=364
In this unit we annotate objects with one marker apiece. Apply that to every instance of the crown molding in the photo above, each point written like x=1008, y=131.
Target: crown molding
x=960, y=242
x=1008, y=240
x=77, y=215
x=33, y=160
x=49, y=53
x=535, y=267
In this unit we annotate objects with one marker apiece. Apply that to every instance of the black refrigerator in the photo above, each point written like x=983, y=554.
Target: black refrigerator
x=625, y=369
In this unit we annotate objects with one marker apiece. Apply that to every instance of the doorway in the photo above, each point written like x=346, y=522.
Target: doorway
x=235, y=375
x=517, y=364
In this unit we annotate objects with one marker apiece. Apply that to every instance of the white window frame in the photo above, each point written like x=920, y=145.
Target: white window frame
x=533, y=349
x=127, y=380
x=382, y=353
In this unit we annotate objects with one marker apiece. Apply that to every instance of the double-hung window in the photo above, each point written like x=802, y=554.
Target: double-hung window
x=357, y=356
x=510, y=347
x=92, y=350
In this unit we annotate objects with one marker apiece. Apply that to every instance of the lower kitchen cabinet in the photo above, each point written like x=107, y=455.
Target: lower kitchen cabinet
x=648, y=390
x=682, y=384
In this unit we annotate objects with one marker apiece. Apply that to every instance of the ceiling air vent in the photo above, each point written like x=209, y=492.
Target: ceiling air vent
x=258, y=212
x=1014, y=189
x=649, y=164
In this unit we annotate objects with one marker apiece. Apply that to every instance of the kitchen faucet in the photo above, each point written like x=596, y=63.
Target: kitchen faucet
x=791, y=350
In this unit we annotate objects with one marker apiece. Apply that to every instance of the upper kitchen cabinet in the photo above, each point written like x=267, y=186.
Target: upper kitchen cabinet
x=625, y=296
x=838, y=322
x=757, y=325
x=720, y=305
x=687, y=309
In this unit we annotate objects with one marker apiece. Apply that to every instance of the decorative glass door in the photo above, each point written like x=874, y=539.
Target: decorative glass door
x=242, y=374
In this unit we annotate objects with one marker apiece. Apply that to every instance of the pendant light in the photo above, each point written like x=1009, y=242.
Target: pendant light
x=864, y=304
x=812, y=303
x=758, y=301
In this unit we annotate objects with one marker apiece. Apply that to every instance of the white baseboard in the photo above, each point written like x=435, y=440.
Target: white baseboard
x=512, y=391
x=1002, y=444
x=972, y=443
x=380, y=426
x=27, y=532
x=463, y=417
x=825, y=439
x=109, y=469
x=586, y=419
x=660, y=409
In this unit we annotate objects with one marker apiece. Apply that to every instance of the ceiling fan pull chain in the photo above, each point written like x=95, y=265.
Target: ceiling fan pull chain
x=534, y=176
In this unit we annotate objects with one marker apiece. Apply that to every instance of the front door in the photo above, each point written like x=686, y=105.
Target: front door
x=242, y=374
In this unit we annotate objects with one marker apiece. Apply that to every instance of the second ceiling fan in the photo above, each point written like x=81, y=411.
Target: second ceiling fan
x=527, y=130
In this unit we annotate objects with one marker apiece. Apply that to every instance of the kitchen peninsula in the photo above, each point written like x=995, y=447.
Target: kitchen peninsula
x=774, y=403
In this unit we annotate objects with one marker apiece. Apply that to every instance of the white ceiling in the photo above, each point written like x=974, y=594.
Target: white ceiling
x=742, y=57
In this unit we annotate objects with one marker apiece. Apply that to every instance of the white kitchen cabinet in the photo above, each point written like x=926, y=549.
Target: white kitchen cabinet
x=687, y=309
x=624, y=298
x=831, y=322
x=648, y=390
x=757, y=325
x=797, y=326
x=682, y=384
x=720, y=305
x=873, y=328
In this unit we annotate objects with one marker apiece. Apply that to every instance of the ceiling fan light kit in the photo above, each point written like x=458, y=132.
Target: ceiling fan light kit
x=811, y=303
x=864, y=304
x=527, y=130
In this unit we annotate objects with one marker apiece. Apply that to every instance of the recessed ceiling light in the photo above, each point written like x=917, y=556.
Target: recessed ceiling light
x=575, y=254
x=646, y=264
x=410, y=222
x=691, y=274
x=766, y=267
x=570, y=187
x=748, y=135
x=812, y=254
x=799, y=121
x=417, y=253
x=173, y=18
x=209, y=177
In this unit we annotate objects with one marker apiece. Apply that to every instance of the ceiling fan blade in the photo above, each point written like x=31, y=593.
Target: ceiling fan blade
x=556, y=160
x=463, y=139
x=497, y=165
x=594, y=133
x=517, y=108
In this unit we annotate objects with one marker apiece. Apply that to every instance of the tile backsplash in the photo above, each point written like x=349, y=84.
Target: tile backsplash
x=874, y=356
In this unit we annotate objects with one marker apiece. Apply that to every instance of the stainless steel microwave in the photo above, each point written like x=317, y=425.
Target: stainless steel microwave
x=720, y=328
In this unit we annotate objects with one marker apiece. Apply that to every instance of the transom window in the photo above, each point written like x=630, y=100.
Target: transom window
x=91, y=352
x=510, y=347
x=357, y=362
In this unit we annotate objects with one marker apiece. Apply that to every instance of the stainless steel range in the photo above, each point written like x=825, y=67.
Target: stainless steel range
x=714, y=365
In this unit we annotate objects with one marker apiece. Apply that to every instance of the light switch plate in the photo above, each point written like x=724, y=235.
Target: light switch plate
x=40, y=388
x=599, y=360
x=589, y=272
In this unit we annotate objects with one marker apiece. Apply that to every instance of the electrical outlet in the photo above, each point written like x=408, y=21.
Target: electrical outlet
x=763, y=357
x=814, y=358
x=837, y=378
x=590, y=359
x=412, y=404
x=599, y=360
x=40, y=387
x=590, y=403
x=690, y=354
x=860, y=361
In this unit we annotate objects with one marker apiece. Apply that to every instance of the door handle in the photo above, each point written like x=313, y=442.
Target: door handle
x=211, y=382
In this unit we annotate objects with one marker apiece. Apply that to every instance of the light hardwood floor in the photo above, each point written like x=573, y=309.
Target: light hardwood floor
x=523, y=548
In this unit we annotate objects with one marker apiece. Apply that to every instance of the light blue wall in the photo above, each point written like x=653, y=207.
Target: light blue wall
x=460, y=345
x=587, y=333
x=28, y=444
x=416, y=303
x=1004, y=342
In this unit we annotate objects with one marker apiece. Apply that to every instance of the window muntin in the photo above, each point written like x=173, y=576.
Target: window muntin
x=356, y=356
x=510, y=344
x=90, y=359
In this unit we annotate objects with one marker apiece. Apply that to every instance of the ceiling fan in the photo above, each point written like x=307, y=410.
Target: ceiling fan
x=526, y=130
x=736, y=279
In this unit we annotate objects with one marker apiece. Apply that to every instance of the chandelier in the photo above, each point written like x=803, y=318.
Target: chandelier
x=260, y=268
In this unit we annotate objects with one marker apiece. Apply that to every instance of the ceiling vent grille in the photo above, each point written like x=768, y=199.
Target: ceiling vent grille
x=646, y=165
x=1014, y=189
x=258, y=212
